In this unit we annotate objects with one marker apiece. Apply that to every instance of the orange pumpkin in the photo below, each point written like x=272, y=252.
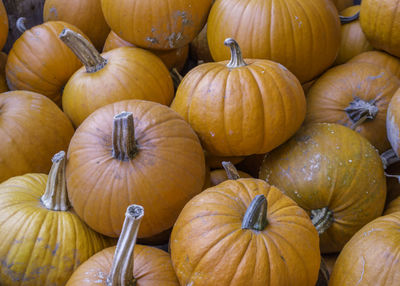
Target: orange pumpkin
x=164, y=25
x=393, y=123
x=199, y=49
x=342, y=4
x=3, y=25
x=3, y=83
x=335, y=174
x=229, y=172
x=215, y=162
x=356, y=95
x=306, y=86
x=244, y=232
x=241, y=108
x=302, y=35
x=124, y=73
x=84, y=14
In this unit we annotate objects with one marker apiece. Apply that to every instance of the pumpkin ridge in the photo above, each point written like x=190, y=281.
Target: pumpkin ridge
x=223, y=105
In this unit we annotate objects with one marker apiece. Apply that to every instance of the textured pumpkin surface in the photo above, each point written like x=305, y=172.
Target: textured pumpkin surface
x=40, y=246
x=333, y=92
x=39, y=61
x=241, y=111
x=329, y=165
x=371, y=257
x=218, y=176
x=302, y=35
x=164, y=25
x=32, y=130
x=209, y=247
x=152, y=267
x=393, y=123
x=3, y=25
x=3, y=83
x=167, y=171
x=84, y=14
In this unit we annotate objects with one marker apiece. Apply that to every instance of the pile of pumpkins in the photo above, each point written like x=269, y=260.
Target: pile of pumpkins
x=257, y=140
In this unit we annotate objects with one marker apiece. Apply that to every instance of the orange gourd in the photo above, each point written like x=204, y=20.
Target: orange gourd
x=3, y=25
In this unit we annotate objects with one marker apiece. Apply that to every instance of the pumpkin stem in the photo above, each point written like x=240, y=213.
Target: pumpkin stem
x=55, y=197
x=123, y=137
x=360, y=110
x=388, y=158
x=230, y=170
x=236, y=54
x=122, y=267
x=20, y=24
x=84, y=50
x=345, y=20
x=255, y=217
x=322, y=219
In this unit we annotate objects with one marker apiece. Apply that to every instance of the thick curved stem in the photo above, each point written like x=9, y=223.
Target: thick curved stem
x=20, y=24
x=84, y=50
x=255, y=217
x=322, y=219
x=123, y=137
x=230, y=170
x=236, y=54
x=360, y=110
x=388, y=158
x=121, y=273
x=345, y=20
x=55, y=197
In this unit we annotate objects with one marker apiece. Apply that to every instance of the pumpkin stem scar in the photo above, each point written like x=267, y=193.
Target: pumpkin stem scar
x=255, y=217
x=345, y=20
x=121, y=273
x=322, y=219
x=236, y=54
x=20, y=24
x=230, y=170
x=123, y=137
x=360, y=110
x=84, y=50
x=388, y=158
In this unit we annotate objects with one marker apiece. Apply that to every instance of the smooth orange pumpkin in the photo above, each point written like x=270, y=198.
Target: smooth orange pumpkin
x=302, y=35
x=3, y=83
x=335, y=174
x=241, y=107
x=32, y=130
x=3, y=25
x=165, y=25
x=84, y=14
x=244, y=232
x=393, y=123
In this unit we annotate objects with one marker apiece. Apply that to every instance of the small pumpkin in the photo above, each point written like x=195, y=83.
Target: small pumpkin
x=3, y=25
x=393, y=123
x=43, y=240
x=3, y=83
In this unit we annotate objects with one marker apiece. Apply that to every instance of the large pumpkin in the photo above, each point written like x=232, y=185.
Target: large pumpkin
x=335, y=174
x=148, y=155
x=124, y=73
x=244, y=232
x=356, y=95
x=3, y=83
x=3, y=25
x=32, y=130
x=302, y=35
x=162, y=25
x=241, y=107
x=393, y=123
x=84, y=14
x=42, y=240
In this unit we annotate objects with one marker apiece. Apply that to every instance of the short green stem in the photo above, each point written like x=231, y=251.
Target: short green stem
x=322, y=219
x=360, y=110
x=123, y=137
x=230, y=170
x=255, y=217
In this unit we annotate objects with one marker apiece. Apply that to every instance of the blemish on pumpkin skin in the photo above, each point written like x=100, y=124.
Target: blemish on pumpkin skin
x=53, y=11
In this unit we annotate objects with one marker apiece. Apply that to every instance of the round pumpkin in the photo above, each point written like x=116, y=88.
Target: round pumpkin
x=199, y=49
x=393, y=123
x=380, y=22
x=42, y=240
x=3, y=25
x=121, y=74
x=32, y=130
x=371, y=256
x=244, y=232
x=342, y=4
x=147, y=155
x=356, y=95
x=84, y=14
x=164, y=25
x=39, y=61
x=302, y=35
x=333, y=173
x=3, y=83
x=241, y=107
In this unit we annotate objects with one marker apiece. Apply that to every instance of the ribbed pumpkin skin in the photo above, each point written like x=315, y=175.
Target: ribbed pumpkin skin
x=3, y=83
x=154, y=24
x=337, y=88
x=303, y=35
x=84, y=14
x=393, y=123
x=371, y=256
x=130, y=73
x=40, y=246
x=209, y=247
x=329, y=165
x=241, y=111
x=39, y=61
x=32, y=129
x=3, y=25
x=167, y=171
x=381, y=59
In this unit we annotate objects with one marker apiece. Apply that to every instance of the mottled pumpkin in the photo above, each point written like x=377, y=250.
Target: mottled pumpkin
x=393, y=123
x=3, y=83
x=3, y=25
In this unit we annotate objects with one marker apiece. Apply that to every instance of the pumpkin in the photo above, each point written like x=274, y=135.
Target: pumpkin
x=84, y=14
x=148, y=155
x=32, y=129
x=371, y=256
x=241, y=108
x=199, y=49
x=175, y=58
x=303, y=35
x=228, y=173
x=356, y=95
x=3, y=25
x=124, y=73
x=244, y=232
x=127, y=263
x=40, y=62
x=380, y=22
x=333, y=173
x=165, y=25
x=306, y=86
x=392, y=123
x=3, y=83
x=43, y=240
x=353, y=40
x=342, y=4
